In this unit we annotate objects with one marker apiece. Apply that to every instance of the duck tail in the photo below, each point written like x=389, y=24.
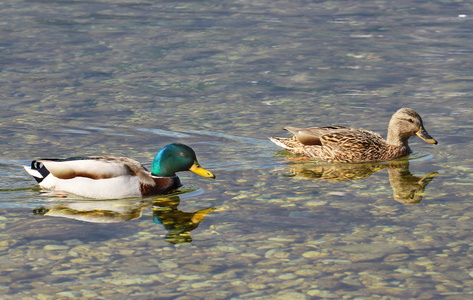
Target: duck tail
x=280, y=142
x=37, y=170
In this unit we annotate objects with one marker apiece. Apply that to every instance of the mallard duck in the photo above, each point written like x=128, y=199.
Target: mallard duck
x=109, y=177
x=344, y=144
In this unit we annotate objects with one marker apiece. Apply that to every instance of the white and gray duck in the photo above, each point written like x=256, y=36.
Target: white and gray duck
x=110, y=177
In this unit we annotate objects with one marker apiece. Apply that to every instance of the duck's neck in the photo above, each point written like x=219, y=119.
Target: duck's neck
x=160, y=167
x=396, y=140
x=395, y=137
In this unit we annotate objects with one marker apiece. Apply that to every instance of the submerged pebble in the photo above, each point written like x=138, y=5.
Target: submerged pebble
x=85, y=77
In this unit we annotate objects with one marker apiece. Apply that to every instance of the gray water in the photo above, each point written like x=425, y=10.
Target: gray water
x=127, y=78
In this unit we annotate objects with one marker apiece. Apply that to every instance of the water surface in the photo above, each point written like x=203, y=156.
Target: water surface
x=127, y=78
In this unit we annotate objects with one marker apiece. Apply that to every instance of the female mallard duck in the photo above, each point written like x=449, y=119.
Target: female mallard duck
x=343, y=144
x=108, y=177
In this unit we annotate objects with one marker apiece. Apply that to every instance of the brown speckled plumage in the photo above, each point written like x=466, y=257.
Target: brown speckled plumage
x=344, y=144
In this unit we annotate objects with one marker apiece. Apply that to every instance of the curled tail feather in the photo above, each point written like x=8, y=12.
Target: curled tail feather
x=37, y=170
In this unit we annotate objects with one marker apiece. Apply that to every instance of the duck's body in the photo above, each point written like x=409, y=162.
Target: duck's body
x=344, y=144
x=109, y=177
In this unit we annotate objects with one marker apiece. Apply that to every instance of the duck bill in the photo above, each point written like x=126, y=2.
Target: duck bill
x=422, y=133
x=197, y=169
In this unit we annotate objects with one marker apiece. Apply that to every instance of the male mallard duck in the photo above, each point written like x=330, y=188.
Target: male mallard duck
x=107, y=177
x=343, y=144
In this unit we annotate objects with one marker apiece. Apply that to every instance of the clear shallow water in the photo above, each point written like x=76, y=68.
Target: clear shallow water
x=125, y=79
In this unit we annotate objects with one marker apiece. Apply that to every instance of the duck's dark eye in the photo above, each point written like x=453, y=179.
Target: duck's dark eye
x=183, y=154
x=410, y=120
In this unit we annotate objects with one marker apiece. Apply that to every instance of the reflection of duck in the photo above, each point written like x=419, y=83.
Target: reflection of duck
x=338, y=172
x=343, y=144
x=111, y=211
x=407, y=188
x=108, y=177
x=177, y=223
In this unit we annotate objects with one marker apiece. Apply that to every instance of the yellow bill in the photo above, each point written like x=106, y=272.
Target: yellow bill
x=422, y=133
x=197, y=169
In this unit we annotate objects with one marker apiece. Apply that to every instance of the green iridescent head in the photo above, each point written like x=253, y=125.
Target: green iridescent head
x=175, y=158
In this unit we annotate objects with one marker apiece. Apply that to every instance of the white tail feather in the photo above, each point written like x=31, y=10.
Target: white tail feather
x=33, y=172
x=278, y=142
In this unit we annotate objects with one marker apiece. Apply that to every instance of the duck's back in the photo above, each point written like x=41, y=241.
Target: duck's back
x=350, y=145
x=340, y=144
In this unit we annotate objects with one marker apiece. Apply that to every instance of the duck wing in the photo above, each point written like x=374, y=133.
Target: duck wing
x=352, y=140
x=314, y=135
x=94, y=167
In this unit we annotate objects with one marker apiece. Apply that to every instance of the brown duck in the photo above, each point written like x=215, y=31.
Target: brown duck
x=344, y=144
